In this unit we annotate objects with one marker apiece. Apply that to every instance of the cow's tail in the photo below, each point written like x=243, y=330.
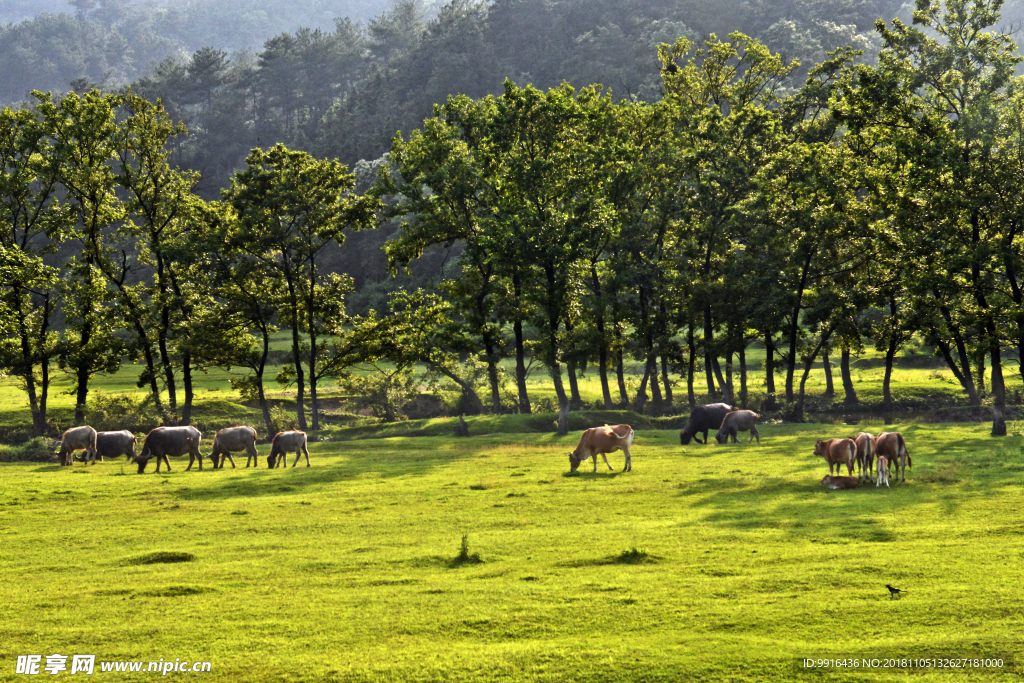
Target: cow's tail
x=629, y=437
x=905, y=452
x=92, y=444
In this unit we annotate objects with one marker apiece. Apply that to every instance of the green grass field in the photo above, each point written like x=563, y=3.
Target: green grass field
x=704, y=563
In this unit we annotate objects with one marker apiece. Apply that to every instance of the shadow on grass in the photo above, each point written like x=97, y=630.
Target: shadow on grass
x=631, y=556
x=386, y=461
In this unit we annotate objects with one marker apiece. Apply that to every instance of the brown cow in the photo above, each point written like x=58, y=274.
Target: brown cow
x=603, y=440
x=76, y=439
x=894, y=447
x=836, y=452
x=865, y=455
x=840, y=483
x=883, y=471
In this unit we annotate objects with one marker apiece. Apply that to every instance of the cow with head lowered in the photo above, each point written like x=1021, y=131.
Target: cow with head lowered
x=601, y=441
x=77, y=439
x=230, y=440
x=704, y=419
x=170, y=441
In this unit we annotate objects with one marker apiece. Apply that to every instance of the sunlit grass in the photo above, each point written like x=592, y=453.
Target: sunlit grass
x=704, y=563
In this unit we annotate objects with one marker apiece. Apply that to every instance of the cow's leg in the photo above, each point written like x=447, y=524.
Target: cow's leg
x=306, y=452
x=629, y=460
x=228, y=456
x=605, y=456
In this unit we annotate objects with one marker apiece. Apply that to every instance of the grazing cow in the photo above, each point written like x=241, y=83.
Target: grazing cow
x=836, y=452
x=115, y=444
x=865, y=455
x=738, y=421
x=704, y=419
x=76, y=439
x=893, y=446
x=603, y=440
x=840, y=483
x=883, y=471
x=283, y=444
x=234, y=439
x=165, y=441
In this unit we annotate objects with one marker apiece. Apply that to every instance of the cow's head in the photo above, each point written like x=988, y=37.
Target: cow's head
x=820, y=448
x=827, y=480
x=574, y=461
x=271, y=459
x=721, y=437
x=685, y=437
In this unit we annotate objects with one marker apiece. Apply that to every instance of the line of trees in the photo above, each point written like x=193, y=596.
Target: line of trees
x=585, y=230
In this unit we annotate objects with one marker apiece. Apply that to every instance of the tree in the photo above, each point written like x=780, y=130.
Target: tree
x=83, y=134
x=32, y=223
x=291, y=209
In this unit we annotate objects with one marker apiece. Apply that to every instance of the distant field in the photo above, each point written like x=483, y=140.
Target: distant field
x=909, y=383
x=704, y=563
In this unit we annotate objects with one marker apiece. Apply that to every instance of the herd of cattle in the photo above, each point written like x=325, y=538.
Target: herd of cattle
x=889, y=447
x=163, y=442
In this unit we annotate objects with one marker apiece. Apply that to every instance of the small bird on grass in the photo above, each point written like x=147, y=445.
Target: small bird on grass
x=894, y=592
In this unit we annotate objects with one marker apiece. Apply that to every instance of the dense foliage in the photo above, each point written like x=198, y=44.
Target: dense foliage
x=877, y=201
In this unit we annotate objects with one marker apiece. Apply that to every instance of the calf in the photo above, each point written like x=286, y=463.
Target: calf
x=865, y=455
x=836, y=452
x=883, y=471
x=894, y=448
x=738, y=421
x=603, y=440
x=165, y=441
x=234, y=439
x=704, y=419
x=283, y=444
x=115, y=444
x=840, y=483
x=76, y=439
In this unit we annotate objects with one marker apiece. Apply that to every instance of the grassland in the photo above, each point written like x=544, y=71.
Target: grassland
x=917, y=386
x=704, y=563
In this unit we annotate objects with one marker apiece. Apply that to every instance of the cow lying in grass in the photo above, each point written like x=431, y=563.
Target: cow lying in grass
x=840, y=483
x=738, y=421
x=704, y=419
x=601, y=441
x=165, y=441
x=865, y=455
x=837, y=452
x=894, y=448
x=76, y=439
x=283, y=444
x=234, y=439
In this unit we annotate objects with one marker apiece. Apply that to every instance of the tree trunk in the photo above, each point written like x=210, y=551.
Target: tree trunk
x=709, y=335
x=162, y=334
x=691, y=367
x=769, y=373
x=890, y=355
x=998, y=387
x=492, y=373
x=794, y=325
x=798, y=412
x=830, y=389
x=574, y=387
x=725, y=388
x=730, y=387
x=664, y=379
x=652, y=361
x=602, y=341
x=641, y=393
x=620, y=378
x=980, y=372
x=850, y=397
x=186, y=379
x=743, y=374
x=300, y=379
x=517, y=329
